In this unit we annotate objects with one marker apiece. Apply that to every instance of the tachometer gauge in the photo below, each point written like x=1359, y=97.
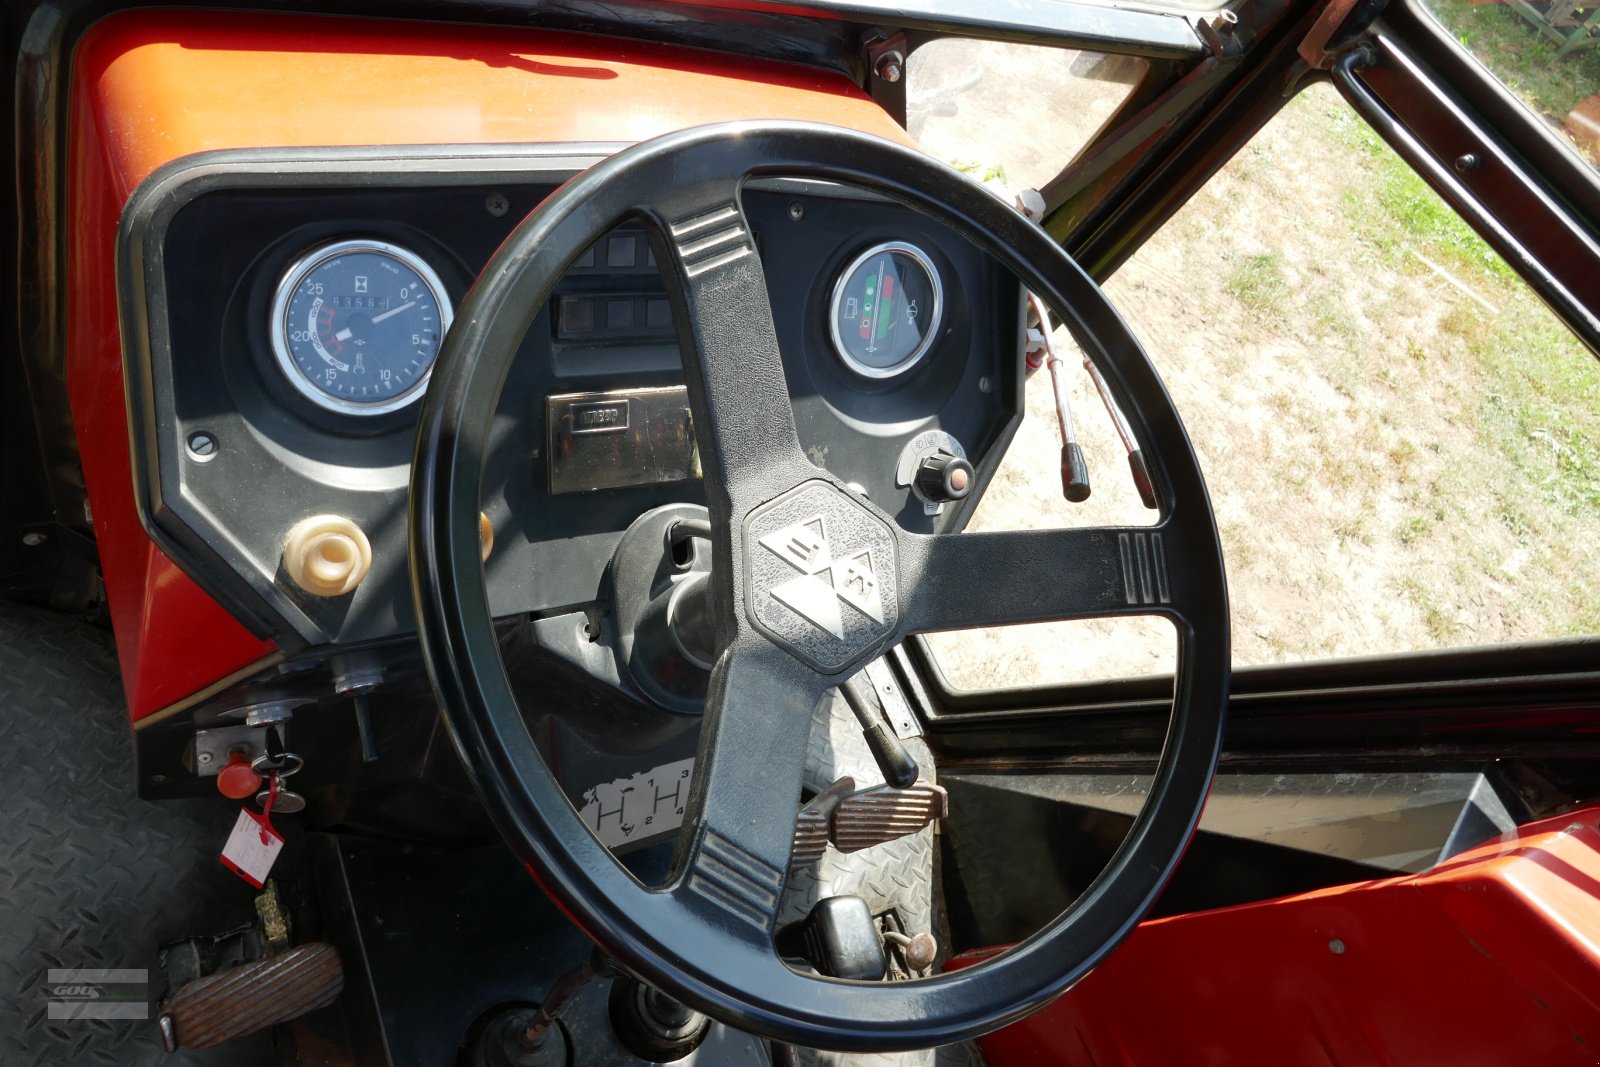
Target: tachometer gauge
x=356, y=326
x=885, y=309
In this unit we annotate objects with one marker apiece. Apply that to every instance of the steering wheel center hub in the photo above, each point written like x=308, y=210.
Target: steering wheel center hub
x=822, y=579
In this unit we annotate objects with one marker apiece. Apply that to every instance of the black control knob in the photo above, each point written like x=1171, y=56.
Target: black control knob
x=942, y=476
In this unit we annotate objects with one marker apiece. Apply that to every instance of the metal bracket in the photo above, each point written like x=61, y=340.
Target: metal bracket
x=212, y=747
x=895, y=706
x=1220, y=33
x=886, y=57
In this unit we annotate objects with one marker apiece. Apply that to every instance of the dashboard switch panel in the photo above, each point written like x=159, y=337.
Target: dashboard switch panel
x=620, y=438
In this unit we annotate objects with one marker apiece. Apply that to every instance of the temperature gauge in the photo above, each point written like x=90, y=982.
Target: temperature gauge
x=886, y=309
x=356, y=326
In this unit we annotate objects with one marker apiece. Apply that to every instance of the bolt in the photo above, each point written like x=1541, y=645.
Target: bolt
x=202, y=445
x=1225, y=23
x=34, y=539
x=797, y=211
x=497, y=204
x=891, y=65
x=1336, y=947
x=1467, y=161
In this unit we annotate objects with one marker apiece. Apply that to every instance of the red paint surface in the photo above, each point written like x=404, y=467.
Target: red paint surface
x=149, y=87
x=1491, y=959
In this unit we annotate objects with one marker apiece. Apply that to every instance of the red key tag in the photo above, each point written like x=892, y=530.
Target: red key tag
x=252, y=848
x=266, y=808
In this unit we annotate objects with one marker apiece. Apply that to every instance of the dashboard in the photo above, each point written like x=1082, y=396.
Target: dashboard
x=293, y=309
x=283, y=311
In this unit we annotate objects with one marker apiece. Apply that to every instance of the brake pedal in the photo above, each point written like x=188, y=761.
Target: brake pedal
x=249, y=997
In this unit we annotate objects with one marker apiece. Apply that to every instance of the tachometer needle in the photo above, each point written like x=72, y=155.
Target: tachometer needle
x=393, y=312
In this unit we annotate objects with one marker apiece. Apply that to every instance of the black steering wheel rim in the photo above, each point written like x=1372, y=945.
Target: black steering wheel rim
x=719, y=967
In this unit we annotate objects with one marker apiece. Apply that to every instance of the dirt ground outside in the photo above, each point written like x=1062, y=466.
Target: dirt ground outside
x=1402, y=443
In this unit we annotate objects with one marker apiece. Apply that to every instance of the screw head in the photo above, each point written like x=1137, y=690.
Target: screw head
x=891, y=66
x=497, y=204
x=33, y=539
x=204, y=757
x=1467, y=161
x=202, y=446
x=797, y=211
x=1336, y=947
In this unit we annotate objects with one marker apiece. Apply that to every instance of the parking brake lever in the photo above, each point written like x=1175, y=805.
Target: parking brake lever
x=898, y=767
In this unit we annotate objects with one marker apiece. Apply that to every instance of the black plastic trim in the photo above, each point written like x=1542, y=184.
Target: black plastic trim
x=182, y=530
x=1128, y=30
x=1533, y=700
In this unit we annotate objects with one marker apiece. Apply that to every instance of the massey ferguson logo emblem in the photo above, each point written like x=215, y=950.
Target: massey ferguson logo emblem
x=824, y=581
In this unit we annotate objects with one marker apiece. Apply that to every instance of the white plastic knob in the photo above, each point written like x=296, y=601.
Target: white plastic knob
x=327, y=555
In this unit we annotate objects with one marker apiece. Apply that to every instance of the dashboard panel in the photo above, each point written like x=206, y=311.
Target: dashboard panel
x=249, y=276
x=148, y=87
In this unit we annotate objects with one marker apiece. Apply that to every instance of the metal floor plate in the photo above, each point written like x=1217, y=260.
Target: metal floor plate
x=91, y=876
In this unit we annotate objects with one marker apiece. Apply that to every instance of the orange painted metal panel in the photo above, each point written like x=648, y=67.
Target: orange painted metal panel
x=149, y=87
x=1492, y=958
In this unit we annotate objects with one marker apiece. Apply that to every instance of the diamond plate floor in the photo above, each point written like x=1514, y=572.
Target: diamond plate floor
x=91, y=876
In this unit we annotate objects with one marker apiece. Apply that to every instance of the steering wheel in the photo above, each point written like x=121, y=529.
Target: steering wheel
x=707, y=936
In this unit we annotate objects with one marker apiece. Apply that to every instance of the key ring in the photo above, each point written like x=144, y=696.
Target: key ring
x=283, y=765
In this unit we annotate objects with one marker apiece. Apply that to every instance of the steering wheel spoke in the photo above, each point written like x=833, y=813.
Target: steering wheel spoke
x=732, y=363
x=746, y=794
x=957, y=581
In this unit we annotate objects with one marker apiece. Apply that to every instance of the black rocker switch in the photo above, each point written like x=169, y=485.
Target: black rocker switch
x=943, y=477
x=839, y=939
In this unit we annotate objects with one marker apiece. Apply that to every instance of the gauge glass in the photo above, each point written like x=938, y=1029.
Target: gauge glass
x=886, y=309
x=356, y=326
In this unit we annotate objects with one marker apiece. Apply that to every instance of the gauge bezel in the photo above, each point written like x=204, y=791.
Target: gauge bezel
x=297, y=272
x=936, y=316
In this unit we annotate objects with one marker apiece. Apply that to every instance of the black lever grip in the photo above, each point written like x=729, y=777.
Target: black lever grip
x=1141, y=479
x=895, y=763
x=1074, y=473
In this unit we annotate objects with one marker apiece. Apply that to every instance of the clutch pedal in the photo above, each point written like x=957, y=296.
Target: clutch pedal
x=251, y=996
x=852, y=821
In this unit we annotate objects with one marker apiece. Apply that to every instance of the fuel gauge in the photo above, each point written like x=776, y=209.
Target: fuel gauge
x=886, y=309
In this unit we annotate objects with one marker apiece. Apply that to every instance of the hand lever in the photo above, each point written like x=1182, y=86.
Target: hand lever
x=1136, y=464
x=894, y=762
x=1074, y=470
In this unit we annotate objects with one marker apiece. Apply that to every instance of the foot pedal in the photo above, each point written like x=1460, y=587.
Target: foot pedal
x=860, y=820
x=252, y=996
